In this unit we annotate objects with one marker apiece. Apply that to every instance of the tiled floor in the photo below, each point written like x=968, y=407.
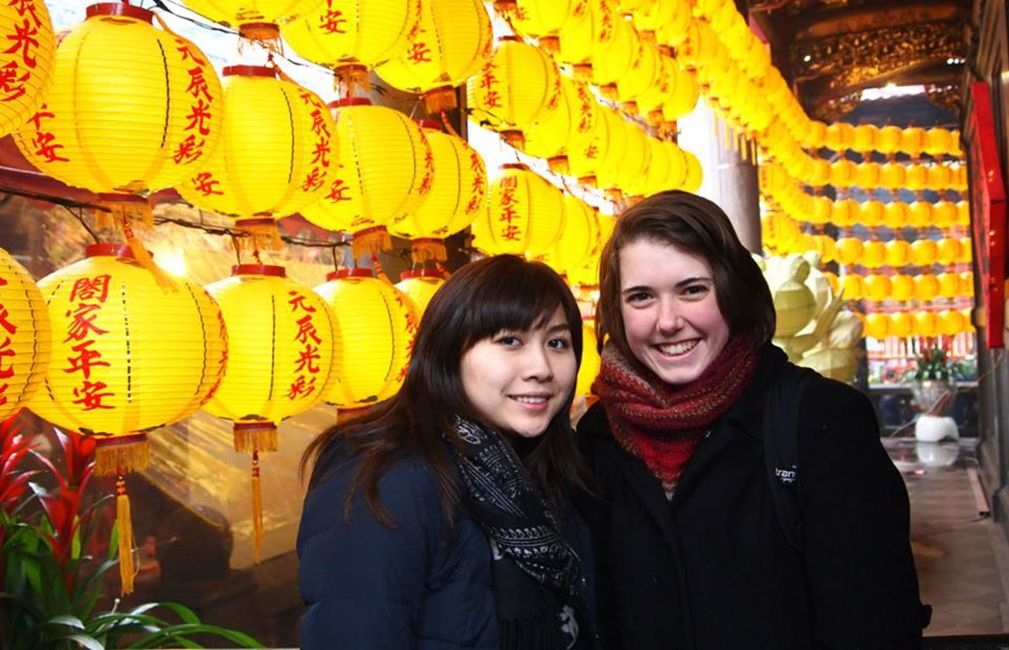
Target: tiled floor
x=962, y=556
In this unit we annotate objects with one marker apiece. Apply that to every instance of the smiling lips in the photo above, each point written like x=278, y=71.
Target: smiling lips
x=678, y=348
x=533, y=401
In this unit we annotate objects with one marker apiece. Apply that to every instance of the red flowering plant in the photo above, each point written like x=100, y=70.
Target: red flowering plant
x=52, y=575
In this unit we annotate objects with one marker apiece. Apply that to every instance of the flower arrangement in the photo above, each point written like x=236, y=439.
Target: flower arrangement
x=53, y=577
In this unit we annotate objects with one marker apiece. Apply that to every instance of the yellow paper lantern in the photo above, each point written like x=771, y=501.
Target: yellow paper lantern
x=925, y=323
x=915, y=177
x=127, y=354
x=926, y=287
x=898, y=252
x=950, y=322
x=864, y=140
x=457, y=196
x=824, y=210
x=913, y=140
x=966, y=251
x=844, y=212
x=453, y=42
x=526, y=214
x=873, y=254
x=25, y=336
x=132, y=107
x=966, y=283
x=376, y=324
x=625, y=164
x=842, y=173
x=648, y=103
x=695, y=175
x=387, y=171
x=518, y=86
x=949, y=285
x=420, y=285
x=901, y=287
x=840, y=136
x=670, y=19
x=897, y=214
x=283, y=352
x=130, y=353
x=27, y=63
x=940, y=141
x=947, y=250
x=963, y=213
x=849, y=250
x=817, y=134
x=591, y=361
x=919, y=214
x=569, y=127
x=642, y=76
x=684, y=97
x=943, y=215
x=901, y=324
x=877, y=287
x=352, y=37
x=820, y=174
x=615, y=59
x=888, y=139
x=544, y=20
x=852, y=286
x=938, y=177
x=924, y=252
x=877, y=325
x=867, y=174
x=581, y=37
x=580, y=240
x=892, y=175
x=274, y=160
x=833, y=280
x=282, y=360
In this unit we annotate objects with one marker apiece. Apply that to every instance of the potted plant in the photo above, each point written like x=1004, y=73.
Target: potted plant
x=52, y=577
x=933, y=385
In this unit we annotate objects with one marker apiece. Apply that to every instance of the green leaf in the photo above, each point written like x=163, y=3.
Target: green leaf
x=67, y=621
x=88, y=642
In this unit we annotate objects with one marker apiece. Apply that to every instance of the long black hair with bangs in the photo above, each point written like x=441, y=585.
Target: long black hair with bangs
x=480, y=300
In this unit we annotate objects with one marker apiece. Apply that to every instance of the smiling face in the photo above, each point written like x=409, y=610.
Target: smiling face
x=671, y=317
x=518, y=381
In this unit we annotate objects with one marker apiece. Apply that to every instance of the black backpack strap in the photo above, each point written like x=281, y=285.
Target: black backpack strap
x=781, y=448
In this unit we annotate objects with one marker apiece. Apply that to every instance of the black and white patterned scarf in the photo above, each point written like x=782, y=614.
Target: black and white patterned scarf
x=537, y=575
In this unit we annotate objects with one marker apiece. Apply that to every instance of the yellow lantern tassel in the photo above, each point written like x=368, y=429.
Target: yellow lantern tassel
x=260, y=233
x=439, y=100
x=376, y=265
x=257, y=510
x=351, y=81
x=122, y=454
x=370, y=241
x=425, y=249
x=265, y=34
x=125, y=524
x=255, y=436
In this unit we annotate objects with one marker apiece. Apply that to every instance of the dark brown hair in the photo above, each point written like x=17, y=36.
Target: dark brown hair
x=695, y=225
x=480, y=300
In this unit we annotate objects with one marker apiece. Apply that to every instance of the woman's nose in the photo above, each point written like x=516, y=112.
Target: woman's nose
x=537, y=364
x=669, y=319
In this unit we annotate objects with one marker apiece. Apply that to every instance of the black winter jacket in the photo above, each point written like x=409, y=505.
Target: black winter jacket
x=712, y=569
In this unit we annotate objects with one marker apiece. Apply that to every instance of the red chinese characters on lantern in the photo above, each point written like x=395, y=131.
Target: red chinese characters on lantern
x=478, y=188
x=489, y=84
x=306, y=366
x=7, y=352
x=200, y=99
x=22, y=41
x=428, y=178
x=316, y=176
x=419, y=51
x=44, y=143
x=206, y=184
x=507, y=215
x=585, y=103
x=90, y=294
x=338, y=190
x=332, y=21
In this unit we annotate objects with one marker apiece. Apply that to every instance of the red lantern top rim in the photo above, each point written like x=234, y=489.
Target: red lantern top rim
x=356, y=272
x=121, y=251
x=119, y=9
x=248, y=71
x=421, y=273
x=428, y=123
x=350, y=101
x=509, y=37
x=259, y=269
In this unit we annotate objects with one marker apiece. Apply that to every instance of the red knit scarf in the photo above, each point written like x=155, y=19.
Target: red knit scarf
x=662, y=424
